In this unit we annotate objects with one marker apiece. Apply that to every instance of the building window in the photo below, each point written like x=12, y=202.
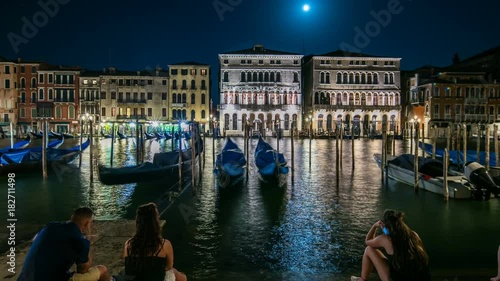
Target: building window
x=51, y=94
x=184, y=72
x=33, y=97
x=184, y=98
x=150, y=96
x=33, y=82
x=33, y=69
x=40, y=94
x=203, y=72
x=58, y=112
x=163, y=96
x=193, y=85
x=164, y=112
x=150, y=112
x=295, y=77
x=459, y=92
x=458, y=110
x=173, y=71
x=7, y=69
x=23, y=69
x=243, y=77
x=7, y=83
x=448, y=92
x=23, y=97
x=226, y=62
x=103, y=95
x=184, y=85
x=193, y=72
x=436, y=92
x=295, y=62
x=226, y=77
x=33, y=113
x=23, y=113
x=203, y=101
x=193, y=99
x=435, y=112
x=447, y=111
x=40, y=77
x=193, y=115
x=23, y=83
x=203, y=114
x=103, y=112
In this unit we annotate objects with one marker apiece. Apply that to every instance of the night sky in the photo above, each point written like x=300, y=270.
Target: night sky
x=133, y=34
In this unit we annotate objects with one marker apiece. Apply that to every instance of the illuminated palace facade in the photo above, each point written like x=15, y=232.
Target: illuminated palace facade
x=261, y=88
x=357, y=89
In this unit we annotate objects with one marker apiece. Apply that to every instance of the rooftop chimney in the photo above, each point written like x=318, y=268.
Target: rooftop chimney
x=258, y=47
x=19, y=60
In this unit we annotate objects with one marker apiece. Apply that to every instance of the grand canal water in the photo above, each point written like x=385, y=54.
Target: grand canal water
x=308, y=228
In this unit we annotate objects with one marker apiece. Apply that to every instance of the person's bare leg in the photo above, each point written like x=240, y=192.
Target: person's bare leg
x=497, y=278
x=179, y=276
x=104, y=273
x=374, y=258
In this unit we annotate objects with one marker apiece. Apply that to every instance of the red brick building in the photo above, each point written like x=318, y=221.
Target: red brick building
x=27, y=81
x=57, y=97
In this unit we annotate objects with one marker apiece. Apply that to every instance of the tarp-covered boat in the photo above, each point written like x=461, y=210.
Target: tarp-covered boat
x=230, y=164
x=270, y=163
x=18, y=145
x=401, y=168
x=471, y=155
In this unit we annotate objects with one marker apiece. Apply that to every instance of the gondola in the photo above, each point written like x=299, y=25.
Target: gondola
x=165, y=167
x=270, y=164
x=149, y=136
x=55, y=135
x=68, y=136
x=18, y=145
x=455, y=158
x=230, y=165
x=26, y=161
x=159, y=135
x=121, y=136
x=37, y=135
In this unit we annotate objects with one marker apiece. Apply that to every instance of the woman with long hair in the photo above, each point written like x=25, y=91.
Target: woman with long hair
x=149, y=257
x=405, y=257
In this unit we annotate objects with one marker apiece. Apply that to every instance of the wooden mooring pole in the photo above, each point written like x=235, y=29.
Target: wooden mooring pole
x=91, y=157
x=45, y=127
x=193, y=157
x=81, y=140
x=458, y=144
x=446, y=158
x=337, y=159
x=423, y=139
x=293, y=152
x=464, y=136
x=112, y=144
x=434, y=141
x=352, y=148
x=478, y=145
x=495, y=143
x=341, y=142
x=415, y=160
x=487, y=148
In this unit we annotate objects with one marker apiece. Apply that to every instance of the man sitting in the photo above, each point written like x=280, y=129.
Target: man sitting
x=58, y=246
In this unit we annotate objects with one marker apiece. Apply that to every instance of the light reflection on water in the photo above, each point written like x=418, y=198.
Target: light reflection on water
x=309, y=228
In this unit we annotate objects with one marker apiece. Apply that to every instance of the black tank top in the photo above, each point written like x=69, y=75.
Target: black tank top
x=150, y=268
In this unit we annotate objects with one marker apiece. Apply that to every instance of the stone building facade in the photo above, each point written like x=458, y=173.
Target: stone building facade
x=261, y=88
x=359, y=90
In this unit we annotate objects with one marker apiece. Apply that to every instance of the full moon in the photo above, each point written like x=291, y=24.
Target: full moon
x=306, y=8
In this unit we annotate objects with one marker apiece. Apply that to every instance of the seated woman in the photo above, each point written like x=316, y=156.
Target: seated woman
x=405, y=257
x=147, y=255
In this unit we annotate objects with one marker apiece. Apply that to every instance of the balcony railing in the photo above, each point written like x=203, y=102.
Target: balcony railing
x=63, y=100
x=184, y=88
x=179, y=105
x=472, y=101
x=131, y=100
x=174, y=87
x=131, y=117
x=258, y=107
x=476, y=118
x=203, y=87
x=358, y=107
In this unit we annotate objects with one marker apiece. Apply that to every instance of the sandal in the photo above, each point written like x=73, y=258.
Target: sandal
x=354, y=278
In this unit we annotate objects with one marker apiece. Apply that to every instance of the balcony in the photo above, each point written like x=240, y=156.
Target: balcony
x=174, y=87
x=203, y=87
x=179, y=105
x=475, y=101
x=184, y=88
x=63, y=100
x=476, y=118
x=258, y=107
x=357, y=107
x=131, y=101
x=130, y=117
x=89, y=100
x=193, y=88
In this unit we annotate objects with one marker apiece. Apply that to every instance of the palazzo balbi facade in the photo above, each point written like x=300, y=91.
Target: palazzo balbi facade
x=261, y=88
x=357, y=89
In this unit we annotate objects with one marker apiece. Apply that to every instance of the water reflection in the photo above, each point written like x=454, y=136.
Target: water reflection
x=310, y=228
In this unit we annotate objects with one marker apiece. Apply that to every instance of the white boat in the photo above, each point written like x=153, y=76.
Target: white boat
x=430, y=176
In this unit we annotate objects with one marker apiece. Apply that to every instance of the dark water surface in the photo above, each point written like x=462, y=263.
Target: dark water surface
x=308, y=228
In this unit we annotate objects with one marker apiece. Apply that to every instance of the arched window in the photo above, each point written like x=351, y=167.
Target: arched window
x=174, y=114
x=33, y=82
x=266, y=77
x=278, y=77
x=203, y=84
x=51, y=94
x=23, y=98
x=339, y=78
x=369, y=78
x=71, y=112
x=375, y=78
x=255, y=78
x=23, y=83
x=203, y=101
x=272, y=78
x=193, y=115
x=174, y=84
x=40, y=94
x=33, y=97
x=386, y=78
x=58, y=112
x=316, y=98
x=243, y=77
x=295, y=77
x=193, y=99
x=327, y=78
x=184, y=84
x=345, y=79
x=184, y=112
x=184, y=98
x=174, y=98
x=203, y=114
x=391, y=80
x=226, y=76
x=193, y=84
x=287, y=122
x=322, y=78
x=351, y=78
x=235, y=121
x=357, y=80
x=363, y=78
x=261, y=77
x=249, y=77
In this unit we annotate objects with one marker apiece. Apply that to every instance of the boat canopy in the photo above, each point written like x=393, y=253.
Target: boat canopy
x=427, y=166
